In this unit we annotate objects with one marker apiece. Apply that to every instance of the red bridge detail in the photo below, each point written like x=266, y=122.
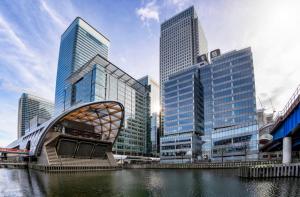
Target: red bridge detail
x=14, y=150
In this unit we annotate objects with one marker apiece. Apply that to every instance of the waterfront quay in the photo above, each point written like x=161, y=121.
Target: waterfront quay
x=270, y=171
x=208, y=165
x=15, y=165
x=246, y=169
x=86, y=168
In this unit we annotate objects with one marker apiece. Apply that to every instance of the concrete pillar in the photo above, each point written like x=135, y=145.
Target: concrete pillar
x=287, y=150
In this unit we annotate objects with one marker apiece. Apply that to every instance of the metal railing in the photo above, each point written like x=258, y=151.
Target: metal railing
x=292, y=103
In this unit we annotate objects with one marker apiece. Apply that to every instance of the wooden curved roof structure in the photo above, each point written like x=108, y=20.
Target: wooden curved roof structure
x=105, y=117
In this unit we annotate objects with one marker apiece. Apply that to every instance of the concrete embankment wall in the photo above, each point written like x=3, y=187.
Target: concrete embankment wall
x=226, y=165
x=71, y=168
x=13, y=165
x=48, y=168
x=270, y=171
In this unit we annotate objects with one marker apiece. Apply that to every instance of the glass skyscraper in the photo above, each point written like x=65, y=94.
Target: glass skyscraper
x=79, y=43
x=30, y=107
x=184, y=117
x=181, y=41
x=154, y=112
x=235, y=129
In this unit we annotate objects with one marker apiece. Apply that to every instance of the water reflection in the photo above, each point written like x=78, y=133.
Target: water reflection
x=142, y=183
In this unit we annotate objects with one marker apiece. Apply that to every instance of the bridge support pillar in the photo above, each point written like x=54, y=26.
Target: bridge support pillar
x=287, y=150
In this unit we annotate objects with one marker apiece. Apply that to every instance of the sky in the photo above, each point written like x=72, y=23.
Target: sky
x=30, y=33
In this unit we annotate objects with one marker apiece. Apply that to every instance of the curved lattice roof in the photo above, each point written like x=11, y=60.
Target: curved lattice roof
x=105, y=117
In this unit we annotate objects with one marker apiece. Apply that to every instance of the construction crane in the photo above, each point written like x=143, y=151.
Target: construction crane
x=272, y=106
x=270, y=100
x=262, y=107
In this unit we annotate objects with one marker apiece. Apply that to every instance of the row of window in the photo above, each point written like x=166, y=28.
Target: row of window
x=233, y=140
x=237, y=97
x=175, y=129
x=173, y=147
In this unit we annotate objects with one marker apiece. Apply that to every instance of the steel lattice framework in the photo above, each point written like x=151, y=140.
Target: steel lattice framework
x=106, y=118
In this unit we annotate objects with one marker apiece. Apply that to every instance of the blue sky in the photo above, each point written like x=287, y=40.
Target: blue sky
x=30, y=34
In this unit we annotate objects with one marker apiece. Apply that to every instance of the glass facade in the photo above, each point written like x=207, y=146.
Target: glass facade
x=31, y=106
x=181, y=41
x=183, y=116
x=206, y=79
x=154, y=102
x=235, y=130
x=102, y=82
x=180, y=148
x=155, y=134
x=79, y=43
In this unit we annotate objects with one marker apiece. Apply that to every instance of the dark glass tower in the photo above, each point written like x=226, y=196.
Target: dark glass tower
x=79, y=43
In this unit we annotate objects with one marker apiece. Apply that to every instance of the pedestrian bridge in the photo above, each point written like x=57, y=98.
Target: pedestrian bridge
x=286, y=129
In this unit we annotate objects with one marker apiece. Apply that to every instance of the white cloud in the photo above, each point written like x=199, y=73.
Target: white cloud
x=28, y=63
x=8, y=122
x=25, y=69
x=271, y=28
x=53, y=14
x=4, y=27
x=148, y=12
x=28, y=68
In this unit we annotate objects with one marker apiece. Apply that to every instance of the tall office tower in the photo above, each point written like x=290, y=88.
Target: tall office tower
x=235, y=129
x=100, y=80
x=32, y=109
x=154, y=112
x=181, y=41
x=184, y=117
x=79, y=43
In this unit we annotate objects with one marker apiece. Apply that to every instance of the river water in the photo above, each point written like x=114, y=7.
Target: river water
x=166, y=182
